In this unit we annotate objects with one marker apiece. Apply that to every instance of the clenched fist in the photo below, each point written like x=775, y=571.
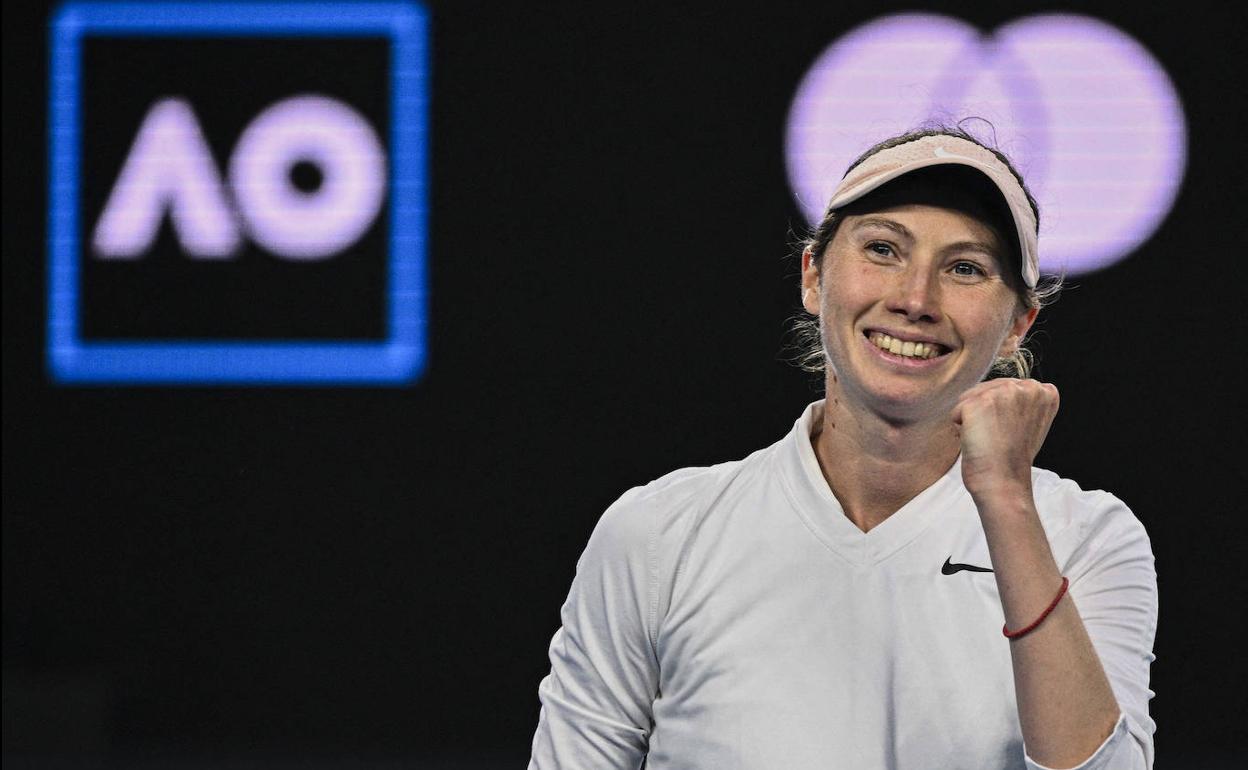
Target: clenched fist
x=1003, y=424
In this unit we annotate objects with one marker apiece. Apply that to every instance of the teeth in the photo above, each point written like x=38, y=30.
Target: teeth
x=904, y=348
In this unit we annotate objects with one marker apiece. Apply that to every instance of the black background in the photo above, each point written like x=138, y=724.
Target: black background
x=212, y=574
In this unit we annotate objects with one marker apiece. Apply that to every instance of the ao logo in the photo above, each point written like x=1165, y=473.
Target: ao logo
x=170, y=169
x=186, y=245
x=1087, y=114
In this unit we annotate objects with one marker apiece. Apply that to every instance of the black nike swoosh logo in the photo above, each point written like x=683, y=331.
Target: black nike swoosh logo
x=948, y=568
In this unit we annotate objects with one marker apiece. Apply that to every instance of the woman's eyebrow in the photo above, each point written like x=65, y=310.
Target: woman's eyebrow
x=987, y=249
x=887, y=224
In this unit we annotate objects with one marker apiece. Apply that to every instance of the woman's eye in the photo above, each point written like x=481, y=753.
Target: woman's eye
x=967, y=269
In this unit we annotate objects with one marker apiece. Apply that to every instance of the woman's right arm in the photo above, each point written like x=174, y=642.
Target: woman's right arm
x=596, y=701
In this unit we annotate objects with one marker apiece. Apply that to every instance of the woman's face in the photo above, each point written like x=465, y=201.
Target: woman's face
x=913, y=308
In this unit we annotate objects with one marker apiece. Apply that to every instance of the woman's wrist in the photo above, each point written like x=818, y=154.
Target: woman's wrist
x=1004, y=497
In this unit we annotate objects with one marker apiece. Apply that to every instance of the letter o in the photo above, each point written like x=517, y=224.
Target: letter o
x=316, y=225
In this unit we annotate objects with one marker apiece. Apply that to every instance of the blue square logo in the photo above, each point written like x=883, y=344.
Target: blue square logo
x=238, y=193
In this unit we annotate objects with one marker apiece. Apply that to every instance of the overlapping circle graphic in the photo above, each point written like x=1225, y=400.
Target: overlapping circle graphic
x=1090, y=118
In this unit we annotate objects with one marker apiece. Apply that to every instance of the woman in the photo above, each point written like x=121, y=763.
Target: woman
x=836, y=600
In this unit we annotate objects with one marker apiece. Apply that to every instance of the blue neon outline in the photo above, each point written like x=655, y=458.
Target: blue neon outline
x=398, y=360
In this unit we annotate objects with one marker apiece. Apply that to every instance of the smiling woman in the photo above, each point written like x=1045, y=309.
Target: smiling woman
x=820, y=603
x=955, y=186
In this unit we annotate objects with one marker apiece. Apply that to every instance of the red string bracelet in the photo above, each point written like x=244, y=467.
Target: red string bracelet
x=1023, y=631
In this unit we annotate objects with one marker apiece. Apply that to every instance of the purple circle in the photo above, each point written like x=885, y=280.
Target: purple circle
x=1086, y=113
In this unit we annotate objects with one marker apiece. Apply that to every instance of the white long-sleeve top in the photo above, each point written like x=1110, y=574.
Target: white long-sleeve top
x=733, y=617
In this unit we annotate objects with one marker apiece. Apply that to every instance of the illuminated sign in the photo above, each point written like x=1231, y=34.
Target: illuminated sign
x=170, y=169
x=1088, y=115
x=238, y=193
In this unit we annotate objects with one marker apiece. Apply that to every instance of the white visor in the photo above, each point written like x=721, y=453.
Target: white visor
x=886, y=165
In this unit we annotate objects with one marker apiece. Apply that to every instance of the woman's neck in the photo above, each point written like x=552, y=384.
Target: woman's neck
x=873, y=465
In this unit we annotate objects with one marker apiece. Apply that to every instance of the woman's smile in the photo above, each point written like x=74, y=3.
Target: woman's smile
x=899, y=346
x=911, y=363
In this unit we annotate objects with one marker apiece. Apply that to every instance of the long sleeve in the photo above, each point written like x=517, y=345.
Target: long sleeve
x=596, y=701
x=1114, y=586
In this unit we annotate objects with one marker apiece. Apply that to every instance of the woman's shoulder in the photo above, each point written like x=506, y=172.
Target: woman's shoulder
x=667, y=509
x=694, y=481
x=1093, y=518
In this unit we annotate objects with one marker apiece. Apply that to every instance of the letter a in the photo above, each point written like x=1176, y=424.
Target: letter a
x=169, y=168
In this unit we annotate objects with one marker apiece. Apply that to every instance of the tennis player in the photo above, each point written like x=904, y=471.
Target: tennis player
x=892, y=584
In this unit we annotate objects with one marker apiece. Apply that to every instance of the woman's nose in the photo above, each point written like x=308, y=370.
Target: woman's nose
x=916, y=295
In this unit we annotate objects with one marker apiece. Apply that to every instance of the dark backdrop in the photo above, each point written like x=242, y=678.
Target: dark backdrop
x=217, y=573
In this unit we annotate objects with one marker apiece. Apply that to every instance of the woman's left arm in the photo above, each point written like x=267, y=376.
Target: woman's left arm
x=1067, y=707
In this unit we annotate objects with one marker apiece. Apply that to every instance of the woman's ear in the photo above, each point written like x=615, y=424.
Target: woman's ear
x=810, y=282
x=1018, y=330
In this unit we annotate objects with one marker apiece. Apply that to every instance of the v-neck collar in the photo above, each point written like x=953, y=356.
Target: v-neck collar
x=823, y=514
